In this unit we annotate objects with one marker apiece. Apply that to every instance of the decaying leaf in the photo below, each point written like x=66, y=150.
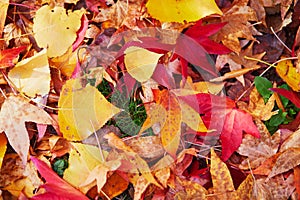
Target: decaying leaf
x=258, y=149
x=32, y=75
x=180, y=11
x=15, y=111
x=55, y=29
x=82, y=110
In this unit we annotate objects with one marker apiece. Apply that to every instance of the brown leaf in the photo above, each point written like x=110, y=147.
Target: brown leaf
x=258, y=149
x=286, y=161
x=14, y=113
x=114, y=186
x=275, y=188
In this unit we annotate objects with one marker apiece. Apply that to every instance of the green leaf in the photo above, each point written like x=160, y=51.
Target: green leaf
x=262, y=85
x=278, y=119
x=59, y=166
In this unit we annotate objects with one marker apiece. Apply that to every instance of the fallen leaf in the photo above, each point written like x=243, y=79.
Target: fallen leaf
x=180, y=11
x=3, y=147
x=245, y=190
x=260, y=149
x=15, y=111
x=32, y=75
x=83, y=158
x=289, y=74
x=171, y=130
x=114, y=186
x=55, y=187
x=287, y=160
x=191, y=190
x=140, y=63
x=297, y=179
x=8, y=56
x=3, y=10
x=293, y=96
x=83, y=110
x=221, y=178
x=55, y=29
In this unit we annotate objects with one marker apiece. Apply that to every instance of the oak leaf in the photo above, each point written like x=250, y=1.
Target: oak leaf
x=15, y=111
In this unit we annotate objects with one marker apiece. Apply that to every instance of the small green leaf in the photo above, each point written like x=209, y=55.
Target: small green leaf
x=278, y=119
x=59, y=166
x=262, y=85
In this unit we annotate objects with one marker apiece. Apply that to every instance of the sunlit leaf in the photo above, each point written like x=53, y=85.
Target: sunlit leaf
x=180, y=11
x=140, y=63
x=56, y=29
x=289, y=74
x=8, y=56
x=32, y=75
x=82, y=110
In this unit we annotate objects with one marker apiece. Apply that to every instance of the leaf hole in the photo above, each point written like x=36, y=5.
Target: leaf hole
x=68, y=28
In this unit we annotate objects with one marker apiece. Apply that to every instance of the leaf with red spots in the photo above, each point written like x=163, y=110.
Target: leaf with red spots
x=8, y=56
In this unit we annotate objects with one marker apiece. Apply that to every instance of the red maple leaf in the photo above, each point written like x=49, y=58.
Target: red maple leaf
x=294, y=97
x=8, y=56
x=220, y=114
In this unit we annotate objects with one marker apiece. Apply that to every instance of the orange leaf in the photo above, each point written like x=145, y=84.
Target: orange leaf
x=297, y=179
x=8, y=56
x=170, y=132
x=114, y=186
x=3, y=142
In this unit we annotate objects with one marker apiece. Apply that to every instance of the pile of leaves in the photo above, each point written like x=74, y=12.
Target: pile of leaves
x=149, y=99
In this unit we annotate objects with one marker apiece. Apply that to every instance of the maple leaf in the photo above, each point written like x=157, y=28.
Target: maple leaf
x=15, y=111
x=220, y=114
x=201, y=34
x=56, y=188
x=8, y=56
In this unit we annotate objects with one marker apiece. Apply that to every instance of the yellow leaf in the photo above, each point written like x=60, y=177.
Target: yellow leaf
x=191, y=117
x=289, y=74
x=182, y=10
x=3, y=11
x=82, y=160
x=140, y=63
x=171, y=130
x=245, y=190
x=3, y=142
x=221, y=178
x=55, y=28
x=66, y=63
x=82, y=110
x=15, y=111
x=32, y=75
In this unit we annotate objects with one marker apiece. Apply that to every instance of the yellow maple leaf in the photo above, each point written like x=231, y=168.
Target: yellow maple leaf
x=181, y=11
x=82, y=110
x=55, y=29
x=32, y=75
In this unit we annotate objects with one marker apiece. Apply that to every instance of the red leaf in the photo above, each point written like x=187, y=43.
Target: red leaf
x=7, y=56
x=219, y=114
x=56, y=187
x=290, y=95
x=235, y=123
x=81, y=32
x=201, y=34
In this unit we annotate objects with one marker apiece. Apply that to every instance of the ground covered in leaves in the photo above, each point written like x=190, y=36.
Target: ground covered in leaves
x=149, y=99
